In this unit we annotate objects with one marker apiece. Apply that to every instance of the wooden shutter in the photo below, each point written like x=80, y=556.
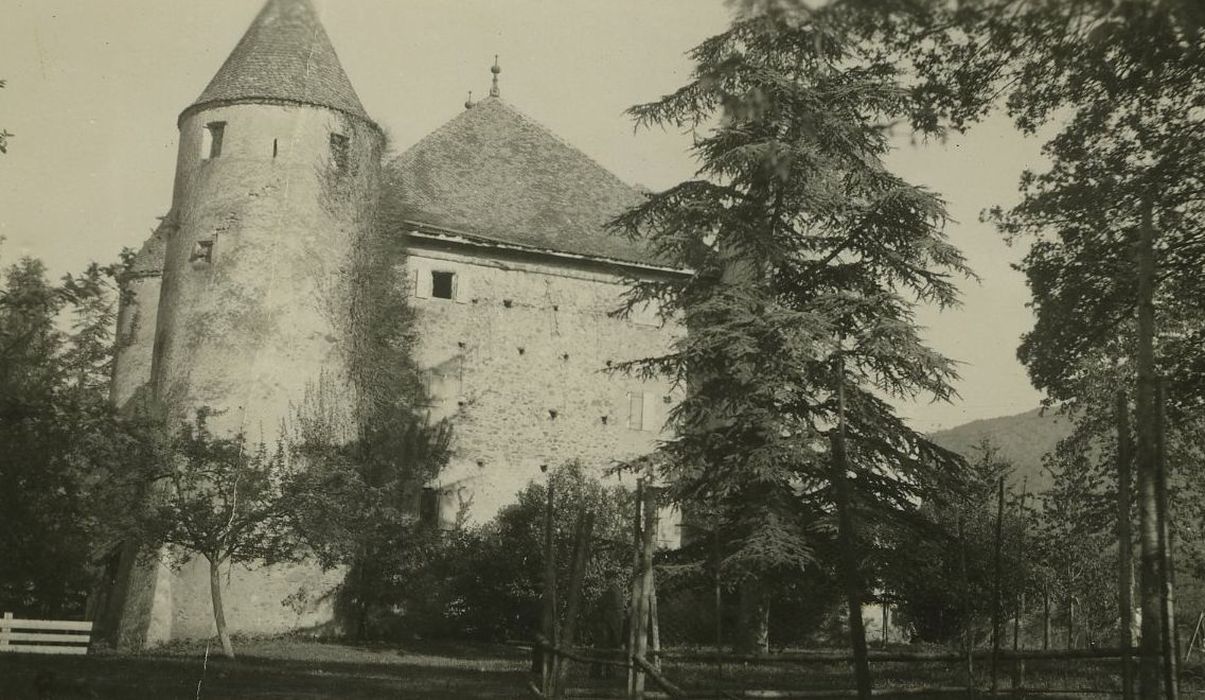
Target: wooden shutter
x=636, y=410
x=649, y=413
x=461, y=287
x=422, y=281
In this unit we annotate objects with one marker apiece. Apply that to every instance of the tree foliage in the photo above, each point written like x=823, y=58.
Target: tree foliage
x=4, y=134
x=57, y=433
x=806, y=255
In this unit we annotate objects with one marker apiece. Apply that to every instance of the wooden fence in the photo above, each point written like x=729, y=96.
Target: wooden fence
x=44, y=636
x=666, y=688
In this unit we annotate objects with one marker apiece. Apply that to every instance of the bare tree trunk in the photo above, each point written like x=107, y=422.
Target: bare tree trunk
x=1147, y=466
x=644, y=586
x=1070, y=621
x=1171, y=682
x=996, y=580
x=967, y=640
x=637, y=582
x=654, y=624
x=1125, y=546
x=577, y=573
x=754, y=610
x=1046, y=615
x=847, y=544
x=719, y=603
x=219, y=613
x=548, y=598
x=1019, y=664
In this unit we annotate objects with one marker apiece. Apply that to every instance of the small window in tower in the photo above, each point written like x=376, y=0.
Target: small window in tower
x=443, y=285
x=202, y=252
x=339, y=149
x=211, y=139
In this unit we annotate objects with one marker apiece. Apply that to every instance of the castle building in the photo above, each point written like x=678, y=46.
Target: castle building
x=238, y=301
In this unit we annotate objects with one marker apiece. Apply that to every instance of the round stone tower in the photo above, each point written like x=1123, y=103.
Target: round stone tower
x=276, y=182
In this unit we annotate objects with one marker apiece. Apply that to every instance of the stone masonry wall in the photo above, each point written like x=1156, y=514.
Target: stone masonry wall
x=252, y=300
x=519, y=357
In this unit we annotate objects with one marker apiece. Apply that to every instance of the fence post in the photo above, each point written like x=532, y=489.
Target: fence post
x=6, y=628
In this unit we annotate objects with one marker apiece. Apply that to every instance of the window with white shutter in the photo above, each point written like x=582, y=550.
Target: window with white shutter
x=636, y=410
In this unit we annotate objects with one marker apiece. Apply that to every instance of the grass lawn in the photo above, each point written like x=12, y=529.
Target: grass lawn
x=272, y=669
x=285, y=668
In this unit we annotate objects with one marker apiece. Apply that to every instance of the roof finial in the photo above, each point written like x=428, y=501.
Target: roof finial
x=496, y=69
x=468, y=104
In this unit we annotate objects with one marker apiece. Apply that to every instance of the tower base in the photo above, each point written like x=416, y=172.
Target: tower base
x=162, y=605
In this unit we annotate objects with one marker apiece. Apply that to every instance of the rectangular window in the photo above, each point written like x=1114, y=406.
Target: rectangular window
x=643, y=411
x=443, y=285
x=339, y=150
x=428, y=507
x=211, y=139
x=202, y=252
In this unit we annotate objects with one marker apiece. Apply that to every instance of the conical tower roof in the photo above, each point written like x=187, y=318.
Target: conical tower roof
x=285, y=56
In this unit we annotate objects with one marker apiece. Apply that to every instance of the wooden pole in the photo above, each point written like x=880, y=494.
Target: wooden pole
x=967, y=640
x=654, y=623
x=548, y=608
x=1125, y=546
x=1171, y=680
x=634, y=590
x=1019, y=664
x=1196, y=634
x=996, y=611
x=577, y=573
x=644, y=579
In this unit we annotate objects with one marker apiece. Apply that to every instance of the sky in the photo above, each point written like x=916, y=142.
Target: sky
x=94, y=89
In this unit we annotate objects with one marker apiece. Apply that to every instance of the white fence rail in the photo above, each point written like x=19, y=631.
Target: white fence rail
x=44, y=636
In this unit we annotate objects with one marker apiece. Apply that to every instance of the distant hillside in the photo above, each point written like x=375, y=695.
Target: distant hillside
x=1023, y=439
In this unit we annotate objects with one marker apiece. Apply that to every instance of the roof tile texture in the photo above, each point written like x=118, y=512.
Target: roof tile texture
x=285, y=55
x=494, y=172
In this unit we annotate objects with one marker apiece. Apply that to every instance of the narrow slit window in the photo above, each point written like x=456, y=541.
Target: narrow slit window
x=339, y=151
x=443, y=285
x=275, y=147
x=211, y=139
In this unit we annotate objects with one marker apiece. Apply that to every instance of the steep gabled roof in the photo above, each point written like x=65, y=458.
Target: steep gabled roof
x=284, y=56
x=494, y=172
